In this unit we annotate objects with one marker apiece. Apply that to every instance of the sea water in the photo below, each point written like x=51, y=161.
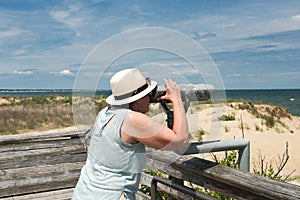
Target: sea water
x=287, y=98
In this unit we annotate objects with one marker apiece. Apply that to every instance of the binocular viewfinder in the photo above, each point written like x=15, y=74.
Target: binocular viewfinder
x=189, y=92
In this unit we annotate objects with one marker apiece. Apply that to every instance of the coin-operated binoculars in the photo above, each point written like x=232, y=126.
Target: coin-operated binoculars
x=189, y=92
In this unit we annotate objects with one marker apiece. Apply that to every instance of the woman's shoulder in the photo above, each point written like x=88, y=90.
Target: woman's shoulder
x=137, y=119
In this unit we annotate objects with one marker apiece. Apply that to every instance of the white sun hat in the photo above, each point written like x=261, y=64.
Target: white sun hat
x=127, y=86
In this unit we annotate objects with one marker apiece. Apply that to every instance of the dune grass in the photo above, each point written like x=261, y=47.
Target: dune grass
x=270, y=114
x=35, y=113
x=23, y=114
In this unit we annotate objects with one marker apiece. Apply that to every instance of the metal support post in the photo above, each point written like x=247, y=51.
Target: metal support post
x=179, y=187
x=242, y=145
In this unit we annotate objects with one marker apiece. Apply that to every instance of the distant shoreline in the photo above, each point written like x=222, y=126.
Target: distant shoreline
x=287, y=98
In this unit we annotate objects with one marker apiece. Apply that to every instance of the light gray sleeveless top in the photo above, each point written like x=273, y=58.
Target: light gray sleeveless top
x=113, y=167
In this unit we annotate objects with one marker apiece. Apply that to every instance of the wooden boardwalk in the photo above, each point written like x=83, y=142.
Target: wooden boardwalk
x=47, y=166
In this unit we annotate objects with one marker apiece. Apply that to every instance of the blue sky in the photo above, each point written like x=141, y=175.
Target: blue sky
x=254, y=44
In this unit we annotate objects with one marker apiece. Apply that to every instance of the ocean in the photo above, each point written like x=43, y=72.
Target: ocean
x=288, y=98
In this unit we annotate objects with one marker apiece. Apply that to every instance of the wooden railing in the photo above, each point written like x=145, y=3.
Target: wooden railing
x=41, y=166
x=224, y=180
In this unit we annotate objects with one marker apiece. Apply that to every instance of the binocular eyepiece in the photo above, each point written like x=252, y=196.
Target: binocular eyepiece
x=189, y=92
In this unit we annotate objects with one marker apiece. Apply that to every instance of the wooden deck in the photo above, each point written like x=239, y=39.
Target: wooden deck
x=47, y=166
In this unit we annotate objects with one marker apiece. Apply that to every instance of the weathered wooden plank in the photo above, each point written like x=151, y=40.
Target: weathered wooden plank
x=64, y=194
x=7, y=198
x=246, y=184
x=139, y=196
x=44, y=144
x=262, y=186
x=146, y=179
x=39, y=184
x=45, y=160
x=21, y=138
x=39, y=153
x=236, y=183
x=38, y=170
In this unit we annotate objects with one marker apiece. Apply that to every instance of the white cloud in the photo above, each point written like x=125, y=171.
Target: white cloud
x=228, y=25
x=59, y=15
x=10, y=33
x=23, y=72
x=296, y=17
x=65, y=72
x=19, y=52
x=70, y=17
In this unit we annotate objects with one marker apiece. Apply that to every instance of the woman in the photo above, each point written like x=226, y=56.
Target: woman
x=116, y=155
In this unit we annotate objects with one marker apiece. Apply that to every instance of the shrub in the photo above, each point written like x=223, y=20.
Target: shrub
x=256, y=127
x=264, y=168
x=269, y=120
x=227, y=118
x=230, y=159
x=198, y=135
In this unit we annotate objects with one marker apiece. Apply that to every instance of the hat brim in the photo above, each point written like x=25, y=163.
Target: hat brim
x=112, y=101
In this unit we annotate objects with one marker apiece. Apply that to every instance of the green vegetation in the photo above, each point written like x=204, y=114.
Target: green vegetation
x=147, y=190
x=293, y=178
x=198, y=135
x=257, y=128
x=227, y=118
x=230, y=159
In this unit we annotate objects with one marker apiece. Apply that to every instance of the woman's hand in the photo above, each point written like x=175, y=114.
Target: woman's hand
x=172, y=92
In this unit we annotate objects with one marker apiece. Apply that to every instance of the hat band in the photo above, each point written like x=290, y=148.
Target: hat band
x=130, y=94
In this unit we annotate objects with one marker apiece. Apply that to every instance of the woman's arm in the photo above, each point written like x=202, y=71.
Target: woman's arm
x=138, y=127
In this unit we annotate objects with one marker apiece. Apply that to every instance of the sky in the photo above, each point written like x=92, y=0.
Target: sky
x=49, y=44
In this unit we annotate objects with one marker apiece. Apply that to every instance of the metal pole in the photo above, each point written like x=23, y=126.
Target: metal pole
x=154, y=189
x=242, y=145
x=244, y=158
x=186, y=190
